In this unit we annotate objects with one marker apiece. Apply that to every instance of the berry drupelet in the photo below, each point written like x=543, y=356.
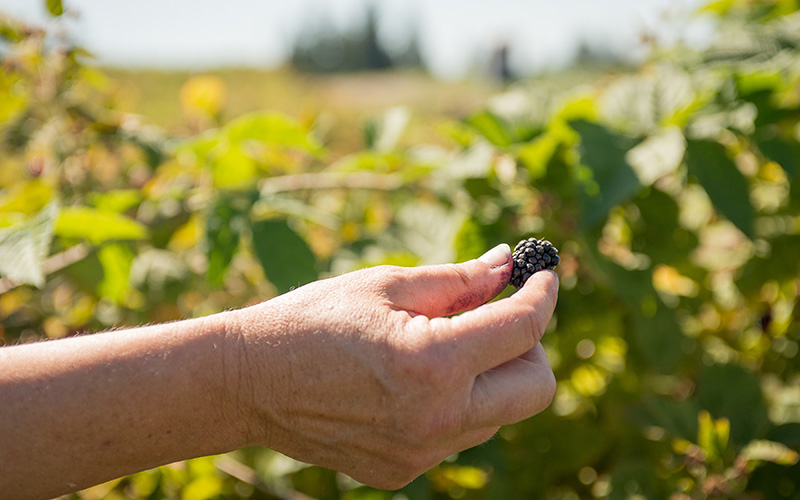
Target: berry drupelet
x=530, y=256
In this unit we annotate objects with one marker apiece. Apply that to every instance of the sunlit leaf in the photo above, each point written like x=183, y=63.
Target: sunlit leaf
x=495, y=129
x=286, y=258
x=726, y=186
x=55, y=8
x=271, y=128
x=234, y=169
x=97, y=226
x=26, y=197
x=465, y=476
x=118, y=200
x=647, y=100
x=712, y=435
x=13, y=95
x=658, y=155
x=367, y=493
x=116, y=260
x=536, y=154
x=24, y=246
x=204, y=487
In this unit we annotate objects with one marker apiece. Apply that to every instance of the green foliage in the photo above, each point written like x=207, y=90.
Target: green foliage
x=671, y=192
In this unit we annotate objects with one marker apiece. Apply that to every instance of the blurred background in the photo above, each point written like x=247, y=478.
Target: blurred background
x=175, y=159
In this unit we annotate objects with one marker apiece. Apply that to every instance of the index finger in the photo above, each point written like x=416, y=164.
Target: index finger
x=499, y=331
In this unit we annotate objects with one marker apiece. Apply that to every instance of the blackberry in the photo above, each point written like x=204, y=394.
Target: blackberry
x=530, y=256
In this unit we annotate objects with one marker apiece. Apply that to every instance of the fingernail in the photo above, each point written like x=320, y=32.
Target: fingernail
x=497, y=256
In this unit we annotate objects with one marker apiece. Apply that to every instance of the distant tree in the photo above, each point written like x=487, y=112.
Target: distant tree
x=321, y=48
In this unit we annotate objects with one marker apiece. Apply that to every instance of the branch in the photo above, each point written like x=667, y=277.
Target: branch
x=331, y=180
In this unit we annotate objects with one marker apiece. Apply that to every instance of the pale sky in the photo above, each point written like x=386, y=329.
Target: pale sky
x=205, y=33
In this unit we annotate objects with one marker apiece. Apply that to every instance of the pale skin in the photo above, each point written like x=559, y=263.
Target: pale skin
x=369, y=373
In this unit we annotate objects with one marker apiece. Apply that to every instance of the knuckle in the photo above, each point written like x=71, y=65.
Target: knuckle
x=460, y=273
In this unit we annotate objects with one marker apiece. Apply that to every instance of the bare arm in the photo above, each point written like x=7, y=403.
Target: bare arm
x=363, y=373
x=80, y=411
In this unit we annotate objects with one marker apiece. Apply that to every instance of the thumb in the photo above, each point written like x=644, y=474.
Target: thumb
x=441, y=290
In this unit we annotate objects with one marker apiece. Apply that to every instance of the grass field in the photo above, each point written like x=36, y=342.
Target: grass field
x=340, y=103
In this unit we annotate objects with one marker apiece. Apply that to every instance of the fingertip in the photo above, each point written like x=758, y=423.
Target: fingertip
x=497, y=257
x=546, y=280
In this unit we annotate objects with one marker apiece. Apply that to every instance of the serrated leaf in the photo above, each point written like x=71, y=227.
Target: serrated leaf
x=285, y=257
x=725, y=184
x=97, y=226
x=55, y=7
x=24, y=246
x=612, y=181
x=658, y=155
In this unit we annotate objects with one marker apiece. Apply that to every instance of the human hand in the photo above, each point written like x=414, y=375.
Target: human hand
x=368, y=374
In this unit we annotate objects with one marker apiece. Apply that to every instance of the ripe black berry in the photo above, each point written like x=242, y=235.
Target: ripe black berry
x=530, y=256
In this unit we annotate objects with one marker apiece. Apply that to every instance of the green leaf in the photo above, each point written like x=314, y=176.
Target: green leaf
x=470, y=241
x=537, y=153
x=745, y=406
x=55, y=7
x=783, y=153
x=496, y=130
x=286, y=258
x=224, y=225
x=118, y=200
x=611, y=181
x=713, y=435
x=725, y=184
x=635, y=476
x=116, y=260
x=26, y=197
x=97, y=226
x=658, y=335
x=780, y=264
x=273, y=129
x=234, y=169
x=658, y=233
x=24, y=246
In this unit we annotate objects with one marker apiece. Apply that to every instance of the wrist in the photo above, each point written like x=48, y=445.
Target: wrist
x=245, y=339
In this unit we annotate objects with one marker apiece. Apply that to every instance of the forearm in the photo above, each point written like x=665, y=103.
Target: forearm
x=115, y=403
